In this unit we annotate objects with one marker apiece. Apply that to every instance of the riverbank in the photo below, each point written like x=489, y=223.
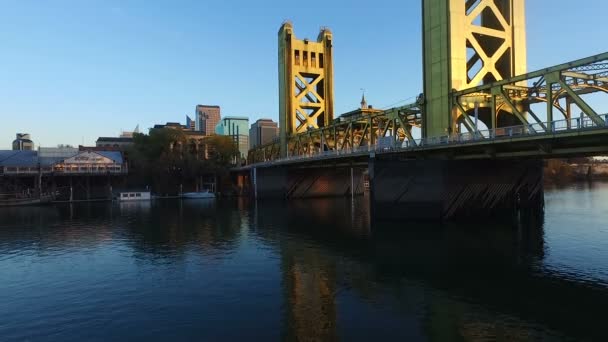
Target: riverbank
x=560, y=171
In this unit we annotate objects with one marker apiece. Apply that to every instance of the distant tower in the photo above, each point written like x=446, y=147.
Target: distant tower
x=23, y=142
x=363, y=102
x=206, y=118
x=305, y=83
x=467, y=44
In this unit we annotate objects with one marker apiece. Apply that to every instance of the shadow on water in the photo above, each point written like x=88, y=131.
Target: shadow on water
x=453, y=281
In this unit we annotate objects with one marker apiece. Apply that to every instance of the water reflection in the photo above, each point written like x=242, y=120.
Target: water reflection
x=302, y=270
x=449, y=282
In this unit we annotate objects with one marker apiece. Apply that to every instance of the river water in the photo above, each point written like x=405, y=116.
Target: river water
x=309, y=270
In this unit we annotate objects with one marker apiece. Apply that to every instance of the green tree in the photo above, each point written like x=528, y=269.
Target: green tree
x=223, y=151
x=166, y=160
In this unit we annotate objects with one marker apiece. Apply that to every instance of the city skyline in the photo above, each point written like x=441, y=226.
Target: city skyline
x=110, y=66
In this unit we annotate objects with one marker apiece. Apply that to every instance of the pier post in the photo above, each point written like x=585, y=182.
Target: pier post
x=88, y=183
x=254, y=179
x=352, y=184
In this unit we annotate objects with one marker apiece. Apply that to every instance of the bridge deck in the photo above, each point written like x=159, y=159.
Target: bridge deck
x=565, y=138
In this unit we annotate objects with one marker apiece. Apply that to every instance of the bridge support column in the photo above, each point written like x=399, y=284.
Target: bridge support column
x=269, y=183
x=291, y=182
x=453, y=190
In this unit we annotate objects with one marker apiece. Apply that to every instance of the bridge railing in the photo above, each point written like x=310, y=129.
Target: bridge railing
x=514, y=132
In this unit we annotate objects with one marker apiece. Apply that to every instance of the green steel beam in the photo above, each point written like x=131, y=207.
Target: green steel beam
x=538, y=121
x=468, y=122
x=515, y=111
x=582, y=104
x=558, y=68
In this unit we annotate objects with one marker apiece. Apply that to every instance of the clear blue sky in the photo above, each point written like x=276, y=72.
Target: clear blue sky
x=73, y=70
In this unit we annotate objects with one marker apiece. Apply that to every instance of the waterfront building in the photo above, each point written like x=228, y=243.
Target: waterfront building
x=190, y=125
x=263, y=132
x=61, y=160
x=206, y=118
x=119, y=143
x=83, y=148
x=236, y=127
x=171, y=125
x=129, y=134
x=57, y=153
x=23, y=142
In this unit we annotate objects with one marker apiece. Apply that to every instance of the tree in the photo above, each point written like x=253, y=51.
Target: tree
x=166, y=160
x=223, y=151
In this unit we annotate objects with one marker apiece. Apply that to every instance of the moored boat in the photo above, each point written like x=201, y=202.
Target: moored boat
x=198, y=195
x=134, y=196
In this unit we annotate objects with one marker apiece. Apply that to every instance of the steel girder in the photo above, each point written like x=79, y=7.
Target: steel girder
x=393, y=125
x=558, y=87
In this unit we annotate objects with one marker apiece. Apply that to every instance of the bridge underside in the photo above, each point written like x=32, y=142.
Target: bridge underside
x=454, y=189
x=399, y=188
x=314, y=182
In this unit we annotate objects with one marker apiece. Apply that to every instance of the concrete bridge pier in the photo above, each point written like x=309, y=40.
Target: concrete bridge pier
x=455, y=189
x=310, y=182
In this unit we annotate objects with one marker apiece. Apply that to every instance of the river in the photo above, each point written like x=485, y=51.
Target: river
x=302, y=270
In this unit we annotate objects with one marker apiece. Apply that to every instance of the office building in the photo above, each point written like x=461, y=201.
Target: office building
x=207, y=118
x=263, y=132
x=237, y=128
x=190, y=124
x=23, y=142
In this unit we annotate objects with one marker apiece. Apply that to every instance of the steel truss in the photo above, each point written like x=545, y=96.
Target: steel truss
x=560, y=88
x=343, y=134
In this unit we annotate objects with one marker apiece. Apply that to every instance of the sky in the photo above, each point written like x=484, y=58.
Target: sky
x=74, y=70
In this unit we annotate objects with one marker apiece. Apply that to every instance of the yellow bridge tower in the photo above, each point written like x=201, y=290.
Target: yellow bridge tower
x=468, y=43
x=306, y=83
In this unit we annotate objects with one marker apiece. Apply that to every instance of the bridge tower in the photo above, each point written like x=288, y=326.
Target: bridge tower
x=468, y=43
x=306, y=83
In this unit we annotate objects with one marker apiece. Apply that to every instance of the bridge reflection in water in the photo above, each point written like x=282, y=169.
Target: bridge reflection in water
x=422, y=281
x=302, y=270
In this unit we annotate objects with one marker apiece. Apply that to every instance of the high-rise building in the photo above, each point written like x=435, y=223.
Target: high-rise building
x=206, y=118
x=263, y=132
x=236, y=127
x=190, y=124
x=23, y=142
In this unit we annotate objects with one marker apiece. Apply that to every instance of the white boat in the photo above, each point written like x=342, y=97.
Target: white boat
x=198, y=195
x=134, y=196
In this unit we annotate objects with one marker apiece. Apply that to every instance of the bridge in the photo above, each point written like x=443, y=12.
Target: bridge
x=471, y=144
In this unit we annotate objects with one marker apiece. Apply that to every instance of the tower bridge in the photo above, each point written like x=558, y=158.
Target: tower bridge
x=474, y=138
